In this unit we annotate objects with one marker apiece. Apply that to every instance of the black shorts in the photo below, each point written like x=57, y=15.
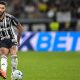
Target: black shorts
x=7, y=43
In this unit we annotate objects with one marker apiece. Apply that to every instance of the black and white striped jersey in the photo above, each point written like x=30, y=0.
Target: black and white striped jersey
x=6, y=27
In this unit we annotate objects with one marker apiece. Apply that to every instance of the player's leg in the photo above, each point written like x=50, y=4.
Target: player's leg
x=3, y=52
x=14, y=61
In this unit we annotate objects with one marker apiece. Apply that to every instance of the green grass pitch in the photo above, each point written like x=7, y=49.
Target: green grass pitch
x=48, y=65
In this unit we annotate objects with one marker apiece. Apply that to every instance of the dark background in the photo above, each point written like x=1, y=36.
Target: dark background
x=38, y=15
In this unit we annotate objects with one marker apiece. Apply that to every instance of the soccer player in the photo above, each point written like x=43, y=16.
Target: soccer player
x=8, y=42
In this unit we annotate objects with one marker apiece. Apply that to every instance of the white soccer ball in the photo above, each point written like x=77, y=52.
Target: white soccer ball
x=17, y=75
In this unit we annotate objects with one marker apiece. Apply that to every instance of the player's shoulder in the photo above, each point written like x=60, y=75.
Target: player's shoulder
x=9, y=15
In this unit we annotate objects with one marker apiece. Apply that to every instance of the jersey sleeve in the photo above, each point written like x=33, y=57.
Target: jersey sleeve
x=14, y=21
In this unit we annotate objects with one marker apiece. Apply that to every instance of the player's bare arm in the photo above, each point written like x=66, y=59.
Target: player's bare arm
x=19, y=30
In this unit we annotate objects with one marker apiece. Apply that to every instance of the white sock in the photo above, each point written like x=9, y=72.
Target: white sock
x=4, y=63
x=14, y=62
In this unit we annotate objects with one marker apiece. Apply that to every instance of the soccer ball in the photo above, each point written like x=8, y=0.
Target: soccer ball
x=16, y=75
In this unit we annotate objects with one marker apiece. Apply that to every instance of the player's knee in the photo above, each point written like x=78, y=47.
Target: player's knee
x=4, y=51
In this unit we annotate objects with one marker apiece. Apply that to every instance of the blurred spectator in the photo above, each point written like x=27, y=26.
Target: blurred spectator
x=64, y=16
x=54, y=26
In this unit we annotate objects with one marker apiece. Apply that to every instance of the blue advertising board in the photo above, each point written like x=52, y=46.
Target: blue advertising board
x=50, y=41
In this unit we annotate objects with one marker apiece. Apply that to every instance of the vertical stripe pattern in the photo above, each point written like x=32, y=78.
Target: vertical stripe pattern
x=6, y=27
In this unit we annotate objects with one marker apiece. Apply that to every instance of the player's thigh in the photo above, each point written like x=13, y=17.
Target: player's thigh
x=4, y=51
x=13, y=50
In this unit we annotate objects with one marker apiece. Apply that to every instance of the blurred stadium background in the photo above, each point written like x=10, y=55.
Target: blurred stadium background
x=51, y=38
x=65, y=14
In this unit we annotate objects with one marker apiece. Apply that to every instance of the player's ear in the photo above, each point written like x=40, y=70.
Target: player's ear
x=5, y=9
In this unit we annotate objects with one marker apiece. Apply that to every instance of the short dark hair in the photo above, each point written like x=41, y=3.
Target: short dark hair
x=3, y=3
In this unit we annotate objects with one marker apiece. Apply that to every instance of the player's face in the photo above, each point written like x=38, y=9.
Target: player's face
x=2, y=9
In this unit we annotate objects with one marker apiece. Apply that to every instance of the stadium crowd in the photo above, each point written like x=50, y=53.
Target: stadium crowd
x=65, y=14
